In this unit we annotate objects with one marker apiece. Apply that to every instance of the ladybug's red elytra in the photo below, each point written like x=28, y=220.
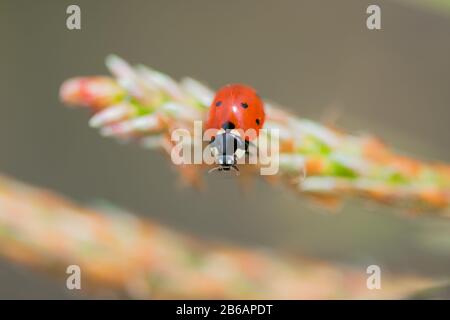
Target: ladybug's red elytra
x=236, y=106
x=236, y=109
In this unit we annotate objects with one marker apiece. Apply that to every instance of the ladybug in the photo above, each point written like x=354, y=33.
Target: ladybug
x=236, y=108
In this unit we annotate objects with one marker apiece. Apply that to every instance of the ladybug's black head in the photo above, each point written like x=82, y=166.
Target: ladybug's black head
x=228, y=125
x=224, y=147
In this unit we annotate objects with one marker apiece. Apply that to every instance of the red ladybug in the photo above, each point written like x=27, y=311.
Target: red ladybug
x=236, y=106
x=235, y=109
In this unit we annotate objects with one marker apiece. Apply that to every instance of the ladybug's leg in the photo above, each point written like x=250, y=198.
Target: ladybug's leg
x=249, y=145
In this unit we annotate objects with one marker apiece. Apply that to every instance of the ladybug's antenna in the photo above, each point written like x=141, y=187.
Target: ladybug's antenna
x=225, y=168
x=236, y=169
x=218, y=168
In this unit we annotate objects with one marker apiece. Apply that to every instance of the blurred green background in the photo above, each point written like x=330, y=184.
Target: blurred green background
x=317, y=57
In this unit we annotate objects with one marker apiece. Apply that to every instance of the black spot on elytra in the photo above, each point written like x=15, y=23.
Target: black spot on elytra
x=218, y=103
x=244, y=105
x=258, y=122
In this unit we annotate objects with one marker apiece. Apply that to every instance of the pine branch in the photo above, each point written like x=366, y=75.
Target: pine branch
x=124, y=255
x=142, y=105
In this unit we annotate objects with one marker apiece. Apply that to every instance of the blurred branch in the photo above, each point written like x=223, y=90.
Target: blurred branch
x=141, y=259
x=143, y=105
